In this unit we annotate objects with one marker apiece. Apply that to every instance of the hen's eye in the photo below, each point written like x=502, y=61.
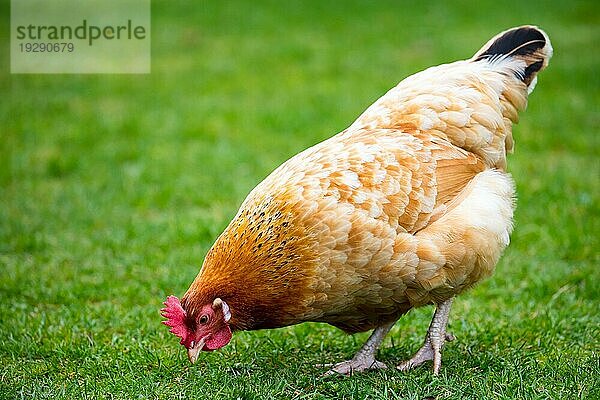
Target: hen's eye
x=203, y=319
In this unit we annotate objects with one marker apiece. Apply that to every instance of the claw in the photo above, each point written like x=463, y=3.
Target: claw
x=349, y=367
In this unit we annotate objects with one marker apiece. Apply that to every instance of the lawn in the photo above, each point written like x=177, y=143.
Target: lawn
x=113, y=187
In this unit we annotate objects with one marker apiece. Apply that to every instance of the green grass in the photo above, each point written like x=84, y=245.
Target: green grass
x=113, y=187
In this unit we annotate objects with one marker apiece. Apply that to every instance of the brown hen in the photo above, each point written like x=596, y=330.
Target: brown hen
x=409, y=206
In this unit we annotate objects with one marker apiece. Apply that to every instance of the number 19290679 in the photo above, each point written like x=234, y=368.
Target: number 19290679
x=47, y=47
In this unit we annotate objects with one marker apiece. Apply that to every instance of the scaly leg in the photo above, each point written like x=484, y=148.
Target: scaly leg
x=434, y=341
x=364, y=359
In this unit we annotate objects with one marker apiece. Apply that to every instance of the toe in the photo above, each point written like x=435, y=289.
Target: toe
x=350, y=367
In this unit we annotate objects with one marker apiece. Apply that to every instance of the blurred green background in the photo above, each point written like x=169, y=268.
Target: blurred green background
x=113, y=187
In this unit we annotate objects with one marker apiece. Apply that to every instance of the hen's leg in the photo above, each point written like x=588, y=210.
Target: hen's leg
x=434, y=341
x=364, y=359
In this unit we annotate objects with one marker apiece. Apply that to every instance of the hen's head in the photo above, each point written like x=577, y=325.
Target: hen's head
x=205, y=330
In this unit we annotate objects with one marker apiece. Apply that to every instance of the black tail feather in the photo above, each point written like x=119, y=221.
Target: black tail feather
x=527, y=43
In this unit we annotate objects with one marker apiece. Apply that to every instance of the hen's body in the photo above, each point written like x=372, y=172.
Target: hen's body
x=358, y=241
x=409, y=206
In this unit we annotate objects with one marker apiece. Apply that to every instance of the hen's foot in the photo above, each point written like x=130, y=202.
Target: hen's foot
x=365, y=357
x=426, y=353
x=434, y=341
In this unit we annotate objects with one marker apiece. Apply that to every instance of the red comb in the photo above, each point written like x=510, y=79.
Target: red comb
x=175, y=315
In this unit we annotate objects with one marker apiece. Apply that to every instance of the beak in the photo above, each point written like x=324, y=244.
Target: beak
x=195, y=349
